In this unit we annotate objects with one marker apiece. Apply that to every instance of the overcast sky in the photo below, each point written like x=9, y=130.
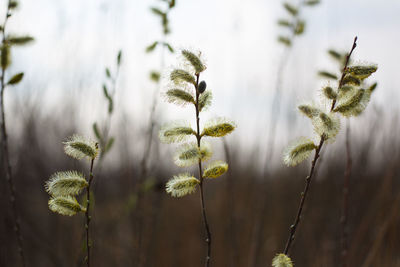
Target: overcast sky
x=75, y=39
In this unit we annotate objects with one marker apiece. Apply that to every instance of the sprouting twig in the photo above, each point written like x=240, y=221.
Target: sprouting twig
x=293, y=227
x=6, y=155
x=87, y=214
x=203, y=205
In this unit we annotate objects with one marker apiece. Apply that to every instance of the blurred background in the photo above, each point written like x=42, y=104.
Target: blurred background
x=250, y=209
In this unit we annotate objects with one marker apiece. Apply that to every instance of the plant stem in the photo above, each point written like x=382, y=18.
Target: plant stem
x=7, y=164
x=293, y=227
x=345, y=208
x=87, y=214
x=203, y=206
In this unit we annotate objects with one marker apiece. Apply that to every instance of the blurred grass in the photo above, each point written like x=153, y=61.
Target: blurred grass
x=173, y=235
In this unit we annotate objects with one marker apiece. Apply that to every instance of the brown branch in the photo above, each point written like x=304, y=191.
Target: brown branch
x=203, y=206
x=293, y=227
x=7, y=164
x=87, y=214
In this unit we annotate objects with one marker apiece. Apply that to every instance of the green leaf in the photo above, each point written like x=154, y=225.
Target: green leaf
x=105, y=91
x=110, y=105
x=312, y=2
x=155, y=76
x=327, y=75
x=109, y=144
x=16, y=78
x=335, y=54
x=284, y=23
x=19, y=40
x=119, y=57
x=151, y=47
x=97, y=132
x=299, y=27
x=108, y=73
x=171, y=4
x=284, y=40
x=373, y=87
x=169, y=47
x=13, y=5
x=157, y=11
x=291, y=9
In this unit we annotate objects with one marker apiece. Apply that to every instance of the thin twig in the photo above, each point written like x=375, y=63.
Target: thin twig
x=7, y=164
x=87, y=214
x=203, y=206
x=144, y=168
x=293, y=227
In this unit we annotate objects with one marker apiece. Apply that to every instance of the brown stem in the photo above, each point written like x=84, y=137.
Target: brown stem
x=345, y=207
x=203, y=207
x=293, y=227
x=7, y=164
x=87, y=214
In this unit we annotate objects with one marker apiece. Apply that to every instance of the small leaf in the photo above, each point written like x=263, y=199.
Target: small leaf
x=109, y=144
x=97, y=132
x=176, y=132
x=215, y=169
x=291, y=9
x=119, y=56
x=311, y=2
x=189, y=154
x=157, y=11
x=328, y=75
x=326, y=125
x=362, y=71
x=354, y=104
x=181, y=185
x=299, y=27
x=350, y=79
x=155, y=76
x=205, y=100
x=16, y=78
x=19, y=40
x=373, y=87
x=65, y=205
x=309, y=110
x=105, y=91
x=66, y=183
x=329, y=93
x=169, y=47
x=336, y=55
x=13, y=5
x=178, y=76
x=179, y=97
x=79, y=147
x=110, y=105
x=218, y=127
x=284, y=23
x=151, y=47
x=194, y=60
x=298, y=150
x=284, y=40
x=108, y=73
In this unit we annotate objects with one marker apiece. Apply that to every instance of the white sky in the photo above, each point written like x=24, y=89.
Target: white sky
x=75, y=39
